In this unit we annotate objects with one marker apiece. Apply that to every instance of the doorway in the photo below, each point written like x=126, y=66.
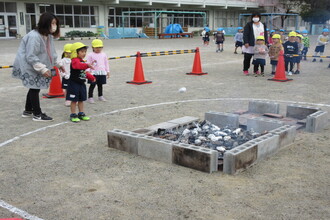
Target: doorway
x=8, y=25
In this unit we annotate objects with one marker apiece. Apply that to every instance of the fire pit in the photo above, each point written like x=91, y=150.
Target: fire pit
x=229, y=142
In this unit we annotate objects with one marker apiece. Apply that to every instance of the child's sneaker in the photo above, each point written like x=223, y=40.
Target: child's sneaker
x=297, y=72
x=67, y=103
x=314, y=60
x=273, y=73
x=262, y=74
x=27, y=114
x=235, y=52
x=91, y=100
x=245, y=72
x=83, y=117
x=289, y=73
x=74, y=118
x=101, y=98
x=255, y=74
x=42, y=117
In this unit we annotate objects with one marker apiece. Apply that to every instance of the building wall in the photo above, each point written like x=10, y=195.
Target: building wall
x=90, y=14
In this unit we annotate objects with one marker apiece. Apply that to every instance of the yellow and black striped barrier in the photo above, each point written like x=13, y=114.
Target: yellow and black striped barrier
x=301, y=55
x=5, y=67
x=121, y=57
x=159, y=53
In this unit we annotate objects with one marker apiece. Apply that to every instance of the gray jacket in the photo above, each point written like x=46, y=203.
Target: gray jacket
x=32, y=52
x=258, y=54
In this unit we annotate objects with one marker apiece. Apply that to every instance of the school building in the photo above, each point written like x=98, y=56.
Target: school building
x=19, y=17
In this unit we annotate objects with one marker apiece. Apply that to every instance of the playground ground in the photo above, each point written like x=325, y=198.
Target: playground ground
x=62, y=170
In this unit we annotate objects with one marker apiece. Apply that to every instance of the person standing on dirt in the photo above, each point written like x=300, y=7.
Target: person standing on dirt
x=252, y=30
x=35, y=61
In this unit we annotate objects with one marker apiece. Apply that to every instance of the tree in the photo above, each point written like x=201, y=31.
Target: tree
x=314, y=11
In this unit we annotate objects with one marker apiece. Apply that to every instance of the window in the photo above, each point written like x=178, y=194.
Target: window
x=30, y=8
x=2, y=7
x=8, y=7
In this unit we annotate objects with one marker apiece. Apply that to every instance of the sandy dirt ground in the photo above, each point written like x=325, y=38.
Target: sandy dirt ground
x=62, y=170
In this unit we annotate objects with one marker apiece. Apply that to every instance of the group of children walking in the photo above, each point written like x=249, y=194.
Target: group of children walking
x=295, y=47
x=95, y=70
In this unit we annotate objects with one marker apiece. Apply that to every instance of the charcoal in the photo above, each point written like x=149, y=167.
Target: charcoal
x=208, y=135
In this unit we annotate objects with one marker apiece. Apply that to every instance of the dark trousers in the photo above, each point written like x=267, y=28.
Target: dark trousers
x=256, y=67
x=304, y=52
x=287, y=63
x=92, y=87
x=32, y=101
x=247, y=61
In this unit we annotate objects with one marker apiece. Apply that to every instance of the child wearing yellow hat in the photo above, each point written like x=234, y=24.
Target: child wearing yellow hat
x=290, y=49
x=297, y=59
x=259, y=59
x=66, y=62
x=101, y=70
x=274, y=51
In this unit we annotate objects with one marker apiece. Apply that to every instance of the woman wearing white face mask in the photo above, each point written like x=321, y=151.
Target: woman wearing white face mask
x=252, y=30
x=34, y=63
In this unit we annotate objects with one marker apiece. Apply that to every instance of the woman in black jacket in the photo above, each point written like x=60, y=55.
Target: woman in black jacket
x=252, y=30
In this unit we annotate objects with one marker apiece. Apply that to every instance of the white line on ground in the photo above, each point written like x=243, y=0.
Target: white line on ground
x=18, y=211
x=159, y=104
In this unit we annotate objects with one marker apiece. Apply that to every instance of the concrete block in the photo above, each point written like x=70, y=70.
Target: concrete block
x=286, y=133
x=267, y=144
x=317, y=121
x=222, y=119
x=299, y=112
x=240, y=158
x=144, y=131
x=163, y=125
x=184, y=122
x=155, y=148
x=198, y=158
x=261, y=125
x=124, y=140
x=262, y=107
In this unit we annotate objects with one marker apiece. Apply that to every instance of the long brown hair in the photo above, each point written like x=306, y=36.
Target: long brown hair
x=45, y=22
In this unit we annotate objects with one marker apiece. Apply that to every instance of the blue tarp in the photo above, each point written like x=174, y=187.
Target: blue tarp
x=173, y=28
x=118, y=33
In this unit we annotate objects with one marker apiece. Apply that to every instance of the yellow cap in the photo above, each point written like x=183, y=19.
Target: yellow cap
x=276, y=36
x=67, y=48
x=260, y=38
x=292, y=34
x=75, y=47
x=97, y=43
x=299, y=35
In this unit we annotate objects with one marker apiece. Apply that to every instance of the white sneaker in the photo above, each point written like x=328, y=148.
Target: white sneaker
x=91, y=100
x=289, y=73
x=101, y=98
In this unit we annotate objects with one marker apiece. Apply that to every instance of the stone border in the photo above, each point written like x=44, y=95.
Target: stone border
x=141, y=142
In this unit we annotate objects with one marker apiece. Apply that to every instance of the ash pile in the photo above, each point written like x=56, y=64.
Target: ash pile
x=208, y=135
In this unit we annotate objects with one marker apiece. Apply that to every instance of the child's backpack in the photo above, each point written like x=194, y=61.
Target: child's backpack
x=207, y=34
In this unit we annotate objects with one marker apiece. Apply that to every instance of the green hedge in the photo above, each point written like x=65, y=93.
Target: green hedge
x=80, y=34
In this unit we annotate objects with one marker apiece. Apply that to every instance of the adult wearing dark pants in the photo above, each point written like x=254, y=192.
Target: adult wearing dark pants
x=34, y=63
x=252, y=30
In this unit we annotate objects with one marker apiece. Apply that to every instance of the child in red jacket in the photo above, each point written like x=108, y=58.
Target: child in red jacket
x=76, y=91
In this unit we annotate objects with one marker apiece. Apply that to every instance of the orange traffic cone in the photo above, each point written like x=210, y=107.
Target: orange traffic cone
x=138, y=72
x=55, y=87
x=197, y=66
x=280, y=70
